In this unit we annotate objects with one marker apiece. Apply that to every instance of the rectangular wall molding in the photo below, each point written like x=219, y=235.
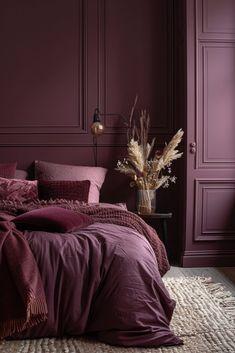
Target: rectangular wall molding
x=214, y=210
x=43, y=77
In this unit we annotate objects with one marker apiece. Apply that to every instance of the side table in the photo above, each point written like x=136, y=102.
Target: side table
x=152, y=219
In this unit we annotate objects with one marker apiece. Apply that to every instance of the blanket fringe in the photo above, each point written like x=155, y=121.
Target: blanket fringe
x=35, y=314
x=10, y=327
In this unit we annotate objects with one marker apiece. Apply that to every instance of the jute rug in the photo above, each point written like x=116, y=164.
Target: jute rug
x=204, y=318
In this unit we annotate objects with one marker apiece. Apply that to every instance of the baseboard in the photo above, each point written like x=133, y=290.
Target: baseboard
x=211, y=258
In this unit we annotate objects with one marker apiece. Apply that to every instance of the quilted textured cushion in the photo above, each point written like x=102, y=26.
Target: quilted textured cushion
x=18, y=190
x=53, y=171
x=53, y=219
x=7, y=170
x=63, y=189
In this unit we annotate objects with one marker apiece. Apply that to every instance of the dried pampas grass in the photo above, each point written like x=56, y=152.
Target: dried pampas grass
x=146, y=172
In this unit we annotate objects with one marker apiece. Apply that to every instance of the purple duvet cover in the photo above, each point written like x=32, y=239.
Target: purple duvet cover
x=102, y=280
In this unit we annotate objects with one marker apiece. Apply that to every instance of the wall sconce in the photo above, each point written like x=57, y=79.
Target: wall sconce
x=97, y=128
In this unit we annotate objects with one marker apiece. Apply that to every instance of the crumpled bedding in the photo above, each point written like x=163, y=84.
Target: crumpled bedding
x=102, y=280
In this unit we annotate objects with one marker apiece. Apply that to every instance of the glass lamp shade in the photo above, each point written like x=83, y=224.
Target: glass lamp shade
x=97, y=128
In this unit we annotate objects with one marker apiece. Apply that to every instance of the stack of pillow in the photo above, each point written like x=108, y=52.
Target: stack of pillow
x=52, y=181
x=13, y=187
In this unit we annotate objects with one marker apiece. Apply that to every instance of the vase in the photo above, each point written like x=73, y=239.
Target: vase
x=146, y=201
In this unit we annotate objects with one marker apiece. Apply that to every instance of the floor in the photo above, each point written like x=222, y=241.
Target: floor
x=224, y=275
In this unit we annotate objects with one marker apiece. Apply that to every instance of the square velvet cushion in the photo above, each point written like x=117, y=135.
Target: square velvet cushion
x=53, y=219
x=64, y=189
x=7, y=170
x=53, y=171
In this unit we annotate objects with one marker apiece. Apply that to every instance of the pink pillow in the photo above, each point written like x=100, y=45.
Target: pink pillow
x=53, y=219
x=53, y=171
x=119, y=205
x=21, y=174
x=63, y=189
x=7, y=170
x=18, y=190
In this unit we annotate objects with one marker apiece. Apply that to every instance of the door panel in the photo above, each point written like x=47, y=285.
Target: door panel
x=216, y=104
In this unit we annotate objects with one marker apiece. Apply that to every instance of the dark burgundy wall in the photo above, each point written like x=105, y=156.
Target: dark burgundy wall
x=60, y=59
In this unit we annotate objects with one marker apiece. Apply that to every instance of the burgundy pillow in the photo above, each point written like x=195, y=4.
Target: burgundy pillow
x=63, y=189
x=18, y=190
x=7, y=170
x=53, y=219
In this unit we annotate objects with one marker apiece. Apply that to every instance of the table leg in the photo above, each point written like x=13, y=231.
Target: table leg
x=164, y=233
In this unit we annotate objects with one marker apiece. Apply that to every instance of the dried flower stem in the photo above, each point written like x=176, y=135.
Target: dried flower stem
x=147, y=173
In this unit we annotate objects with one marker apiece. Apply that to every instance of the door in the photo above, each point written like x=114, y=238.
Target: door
x=210, y=185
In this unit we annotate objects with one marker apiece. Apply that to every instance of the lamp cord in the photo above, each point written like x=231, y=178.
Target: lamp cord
x=95, y=149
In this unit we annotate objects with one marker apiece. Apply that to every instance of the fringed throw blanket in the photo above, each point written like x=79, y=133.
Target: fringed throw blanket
x=22, y=299
x=102, y=215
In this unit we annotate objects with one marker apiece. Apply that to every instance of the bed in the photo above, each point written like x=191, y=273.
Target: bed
x=71, y=267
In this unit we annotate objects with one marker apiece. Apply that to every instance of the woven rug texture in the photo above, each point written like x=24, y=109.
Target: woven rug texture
x=204, y=318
